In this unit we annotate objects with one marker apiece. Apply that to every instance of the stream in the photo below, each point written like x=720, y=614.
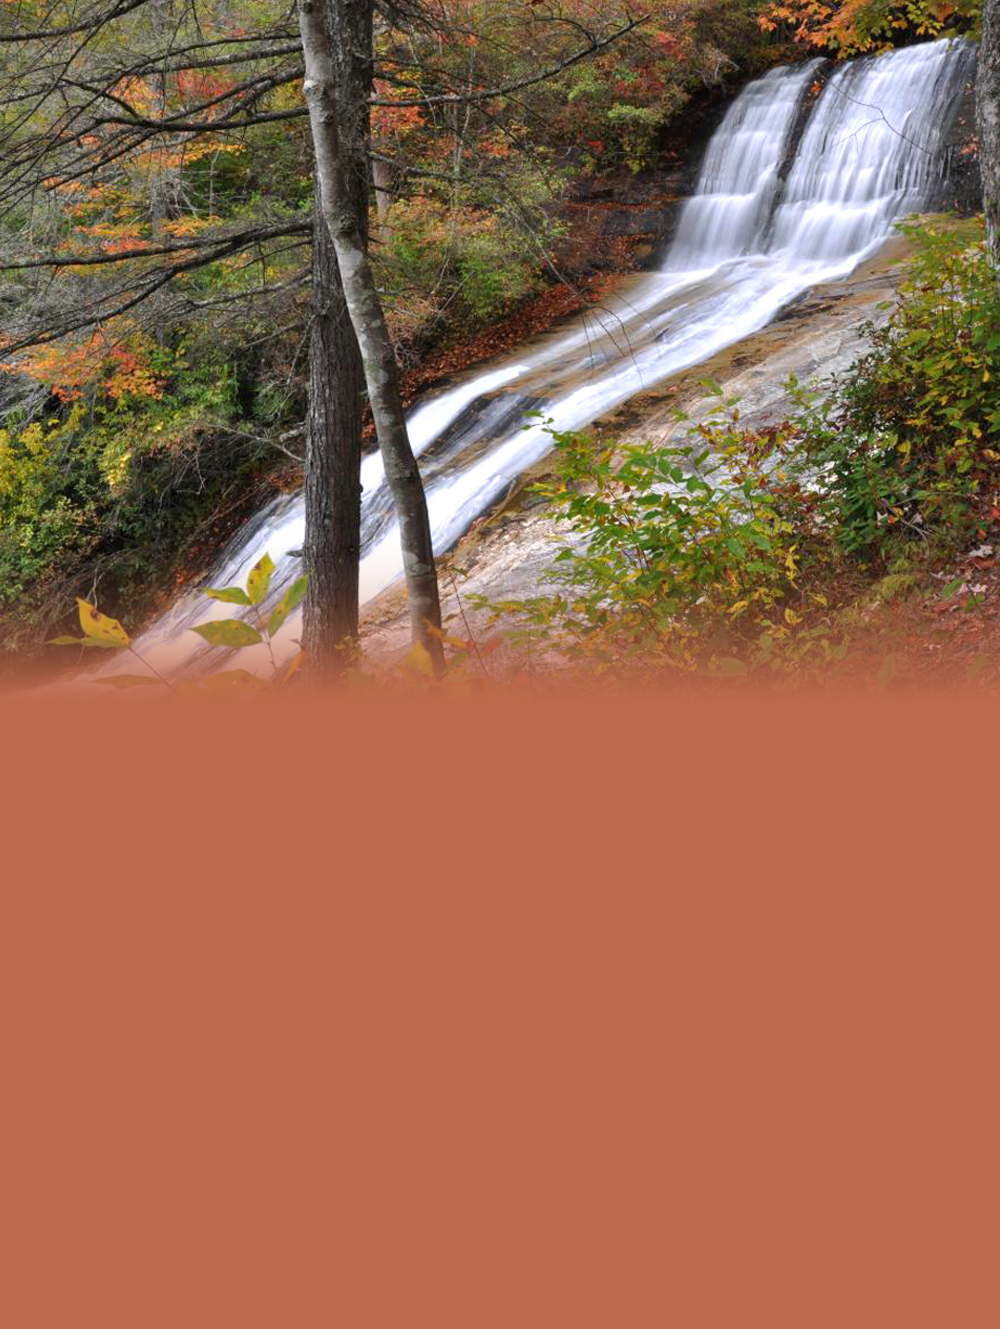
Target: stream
x=805, y=177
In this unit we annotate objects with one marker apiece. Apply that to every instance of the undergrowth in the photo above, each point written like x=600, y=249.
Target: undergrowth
x=743, y=550
x=736, y=551
x=107, y=493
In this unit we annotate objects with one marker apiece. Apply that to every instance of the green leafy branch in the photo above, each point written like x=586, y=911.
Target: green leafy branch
x=103, y=633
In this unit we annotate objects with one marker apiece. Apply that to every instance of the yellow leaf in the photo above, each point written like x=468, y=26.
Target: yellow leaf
x=443, y=637
x=121, y=682
x=295, y=664
x=259, y=580
x=107, y=631
x=419, y=659
x=235, y=680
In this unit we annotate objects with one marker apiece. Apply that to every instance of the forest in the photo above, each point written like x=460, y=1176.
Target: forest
x=450, y=343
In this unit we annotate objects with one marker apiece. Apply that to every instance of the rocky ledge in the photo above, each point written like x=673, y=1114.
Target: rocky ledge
x=508, y=551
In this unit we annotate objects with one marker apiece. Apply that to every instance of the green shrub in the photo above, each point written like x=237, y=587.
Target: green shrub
x=110, y=490
x=636, y=128
x=679, y=553
x=910, y=441
x=460, y=266
x=729, y=551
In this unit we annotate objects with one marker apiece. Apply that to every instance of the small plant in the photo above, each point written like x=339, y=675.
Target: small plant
x=237, y=633
x=679, y=557
x=731, y=552
x=104, y=633
x=906, y=446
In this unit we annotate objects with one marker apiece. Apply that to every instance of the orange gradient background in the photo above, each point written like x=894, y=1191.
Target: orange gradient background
x=496, y=1014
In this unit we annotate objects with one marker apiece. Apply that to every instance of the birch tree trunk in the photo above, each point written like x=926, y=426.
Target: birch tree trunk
x=988, y=122
x=319, y=43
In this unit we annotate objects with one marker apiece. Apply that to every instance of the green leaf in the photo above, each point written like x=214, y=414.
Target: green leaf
x=292, y=597
x=232, y=595
x=235, y=680
x=732, y=668
x=123, y=681
x=294, y=665
x=888, y=671
x=104, y=631
x=260, y=579
x=419, y=660
x=977, y=666
x=232, y=632
x=952, y=587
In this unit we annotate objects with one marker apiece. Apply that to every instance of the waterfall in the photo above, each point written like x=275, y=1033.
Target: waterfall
x=734, y=197
x=871, y=151
x=804, y=178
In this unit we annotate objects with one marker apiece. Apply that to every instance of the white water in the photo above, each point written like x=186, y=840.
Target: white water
x=747, y=244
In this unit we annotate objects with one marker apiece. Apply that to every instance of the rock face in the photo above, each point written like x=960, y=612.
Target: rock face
x=626, y=220
x=988, y=123
x=963, y=189
x=507, y=554
x=816, y=337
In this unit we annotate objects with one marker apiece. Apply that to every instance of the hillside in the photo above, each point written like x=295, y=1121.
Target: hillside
x=294, y=356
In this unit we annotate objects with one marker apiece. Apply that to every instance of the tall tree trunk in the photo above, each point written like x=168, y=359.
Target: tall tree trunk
x=336, y=393
x=164, y=174
x=383, y=178
x=333, y=469
x=332, y=143
x=988, y=122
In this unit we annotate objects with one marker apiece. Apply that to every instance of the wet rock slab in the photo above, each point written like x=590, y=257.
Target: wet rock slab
x=508, y=552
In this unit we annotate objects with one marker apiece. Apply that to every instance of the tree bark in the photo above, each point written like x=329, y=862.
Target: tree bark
x=988, y=122
x=325, y=47
x=383, y=179
x=164, y=174
x=332, y=471
x=336, y=397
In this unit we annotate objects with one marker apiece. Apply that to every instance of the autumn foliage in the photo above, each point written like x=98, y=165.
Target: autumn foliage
x=152, y=374
x=856, y=26
x=119, y=368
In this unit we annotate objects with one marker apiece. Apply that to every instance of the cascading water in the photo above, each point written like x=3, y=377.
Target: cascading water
x=734, y=199
x=773, y=214
x=871, y=151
